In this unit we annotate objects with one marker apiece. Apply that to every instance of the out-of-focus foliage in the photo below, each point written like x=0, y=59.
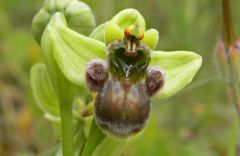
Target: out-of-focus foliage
x=197, y=121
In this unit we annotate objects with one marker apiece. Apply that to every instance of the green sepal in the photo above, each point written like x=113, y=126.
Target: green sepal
x=113, y=33
x=180, y=67
x=43, y=92
x=150, y=38
x=128, y=17
x=123, y=19
x=72, y=51
x=63, y=88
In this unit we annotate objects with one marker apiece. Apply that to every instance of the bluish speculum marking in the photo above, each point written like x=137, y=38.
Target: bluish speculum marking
x=128, y=68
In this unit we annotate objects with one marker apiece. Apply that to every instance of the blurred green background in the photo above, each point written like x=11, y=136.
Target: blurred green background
x=198, y=121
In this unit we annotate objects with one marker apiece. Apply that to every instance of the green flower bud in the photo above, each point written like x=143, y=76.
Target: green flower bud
x=222, y=62
x=78, y=16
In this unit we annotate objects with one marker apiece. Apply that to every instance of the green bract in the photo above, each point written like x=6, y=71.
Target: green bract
x=43, y=91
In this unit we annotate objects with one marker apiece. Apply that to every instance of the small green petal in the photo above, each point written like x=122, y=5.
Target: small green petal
x=150, y=38
x=123, y=19
x=112, y=33
x=180, y=67
x=43, y=91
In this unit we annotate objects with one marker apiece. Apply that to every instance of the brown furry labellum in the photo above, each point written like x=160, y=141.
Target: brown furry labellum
x=122, y=109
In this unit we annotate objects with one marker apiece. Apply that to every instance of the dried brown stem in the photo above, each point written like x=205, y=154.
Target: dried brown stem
x=227, y=19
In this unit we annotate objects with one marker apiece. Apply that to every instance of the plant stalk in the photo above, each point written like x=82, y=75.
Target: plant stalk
x=232, y=86
x=233, y=91
x=67, y=128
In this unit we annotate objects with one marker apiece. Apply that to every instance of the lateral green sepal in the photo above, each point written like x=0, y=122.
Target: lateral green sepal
x=180, y=67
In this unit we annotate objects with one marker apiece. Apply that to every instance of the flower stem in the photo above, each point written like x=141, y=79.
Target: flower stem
x=233, y=91
x=67, y=128
x=227, y=19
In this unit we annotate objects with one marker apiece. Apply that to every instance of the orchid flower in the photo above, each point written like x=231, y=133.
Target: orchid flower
x=75, y=60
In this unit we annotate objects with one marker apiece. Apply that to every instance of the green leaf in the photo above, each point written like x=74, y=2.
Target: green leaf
x=43, y=91
x=94, y=138
x=112, y=33
x=72, y=51
x=180, y=68
x=110, y=146
x=151, y=37
x=123, y=19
